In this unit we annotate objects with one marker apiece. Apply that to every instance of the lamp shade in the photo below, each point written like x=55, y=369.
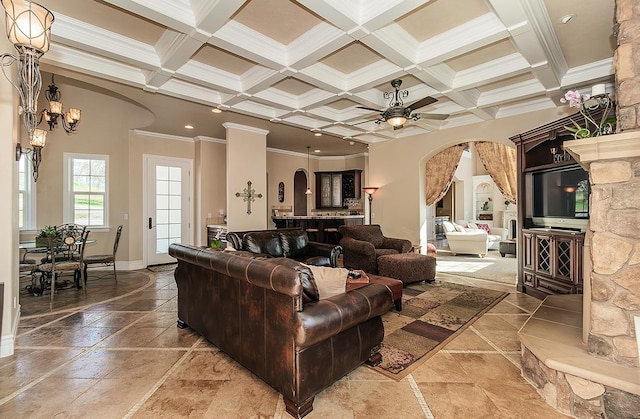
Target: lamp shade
x=28, y=24
x=370, y=189
x=39, y=138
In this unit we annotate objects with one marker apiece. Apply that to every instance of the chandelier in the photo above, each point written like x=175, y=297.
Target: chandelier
x=70, y=119
x=28, y=27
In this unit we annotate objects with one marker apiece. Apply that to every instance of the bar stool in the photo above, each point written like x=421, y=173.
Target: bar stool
x=331, y=235
x=312, y=233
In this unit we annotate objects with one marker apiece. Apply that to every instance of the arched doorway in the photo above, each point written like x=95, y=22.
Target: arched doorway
x=299, y=197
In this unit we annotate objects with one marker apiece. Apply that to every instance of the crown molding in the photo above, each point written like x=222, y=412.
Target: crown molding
x=231, y=125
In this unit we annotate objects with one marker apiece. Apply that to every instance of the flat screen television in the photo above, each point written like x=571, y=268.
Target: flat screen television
x=560, y=197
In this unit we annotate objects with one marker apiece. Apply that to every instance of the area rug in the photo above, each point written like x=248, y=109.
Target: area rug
x=493, y=267
x=162, y=268
x=432, y=315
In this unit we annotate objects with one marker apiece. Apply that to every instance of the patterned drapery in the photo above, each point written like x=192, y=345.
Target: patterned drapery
x=500, y=162
x=439, y=172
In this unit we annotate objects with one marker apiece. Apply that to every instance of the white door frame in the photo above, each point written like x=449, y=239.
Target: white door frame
x=147, y=159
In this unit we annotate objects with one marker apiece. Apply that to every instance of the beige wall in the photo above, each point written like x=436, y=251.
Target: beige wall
x=9, y=128
x=246, y=161
x=210, y=181
x=397, y=167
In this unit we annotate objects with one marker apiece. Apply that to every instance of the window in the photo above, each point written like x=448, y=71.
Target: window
x=86, y=192
x=26, y=195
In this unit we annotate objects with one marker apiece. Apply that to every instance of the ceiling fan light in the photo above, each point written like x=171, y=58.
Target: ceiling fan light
x=396, y=121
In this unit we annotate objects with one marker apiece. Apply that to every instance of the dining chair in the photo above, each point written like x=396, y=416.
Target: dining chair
x=104, y=259
x=66, y=253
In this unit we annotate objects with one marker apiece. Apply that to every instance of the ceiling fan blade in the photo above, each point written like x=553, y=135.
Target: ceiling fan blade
x=369, y=109
x=396, y=127
x=434, y=116
x=422, y=103
x=363, y=122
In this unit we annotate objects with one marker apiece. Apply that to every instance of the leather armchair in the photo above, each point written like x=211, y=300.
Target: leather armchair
x=363, y=244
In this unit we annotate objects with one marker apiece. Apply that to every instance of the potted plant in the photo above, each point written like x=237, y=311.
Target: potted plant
x=42, y=239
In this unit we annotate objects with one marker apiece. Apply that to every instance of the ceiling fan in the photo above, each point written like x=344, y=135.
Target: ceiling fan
x=397, y=114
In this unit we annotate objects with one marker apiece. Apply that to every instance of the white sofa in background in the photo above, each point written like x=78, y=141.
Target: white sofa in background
x=472, y=240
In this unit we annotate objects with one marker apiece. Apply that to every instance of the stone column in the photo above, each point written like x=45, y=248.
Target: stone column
x=626, y=58
x=614, y=231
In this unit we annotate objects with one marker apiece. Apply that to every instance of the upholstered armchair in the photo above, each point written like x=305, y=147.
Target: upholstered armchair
x=363, y=244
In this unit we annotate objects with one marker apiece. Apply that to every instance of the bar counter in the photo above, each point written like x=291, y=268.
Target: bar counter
x=320, y=223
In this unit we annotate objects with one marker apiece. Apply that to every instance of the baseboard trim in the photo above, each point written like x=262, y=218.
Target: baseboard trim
x=8, y=342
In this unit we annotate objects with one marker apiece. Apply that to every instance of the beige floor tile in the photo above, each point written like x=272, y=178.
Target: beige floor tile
x=173, y=337
x=384, y=399
x=46, y=399
x=207, y=365
x=138, y=337
x=85, y=336
x=108, y=398
x=441, y=368
x=146, y=364
x=253, y=398
x=180, y=399
x=96, y=363
x=459, y=400
x=38, y=362
x=468, y=340
x=333, y=402
x=505, y=340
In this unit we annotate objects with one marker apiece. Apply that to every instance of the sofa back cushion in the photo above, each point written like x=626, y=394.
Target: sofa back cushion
x=368, y=233
x=309, y=288
x=267, y=242
x=294, y=242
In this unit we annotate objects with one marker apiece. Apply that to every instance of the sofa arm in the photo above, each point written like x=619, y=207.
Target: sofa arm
x=499, y=231
x=326, y=318
x=401, y=245
x=331, y=251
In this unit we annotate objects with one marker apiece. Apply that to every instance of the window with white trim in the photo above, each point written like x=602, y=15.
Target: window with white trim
x=26, y=195
x=86, y=189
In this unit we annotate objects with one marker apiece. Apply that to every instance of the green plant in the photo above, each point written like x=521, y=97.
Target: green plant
x=48, y=231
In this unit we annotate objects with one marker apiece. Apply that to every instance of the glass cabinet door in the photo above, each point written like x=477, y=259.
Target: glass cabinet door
x=336, y=191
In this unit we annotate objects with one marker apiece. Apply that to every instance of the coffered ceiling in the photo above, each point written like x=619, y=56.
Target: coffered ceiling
x=293, y=67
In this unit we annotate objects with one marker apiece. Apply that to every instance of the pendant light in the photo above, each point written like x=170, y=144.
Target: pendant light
x=308, y=191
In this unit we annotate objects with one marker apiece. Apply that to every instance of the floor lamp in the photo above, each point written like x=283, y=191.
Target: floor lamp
x=370, y=190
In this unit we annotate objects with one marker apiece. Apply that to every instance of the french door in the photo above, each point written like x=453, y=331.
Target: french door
x=168, y=208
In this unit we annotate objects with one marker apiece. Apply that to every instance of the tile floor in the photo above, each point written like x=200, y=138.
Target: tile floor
x=125, y=358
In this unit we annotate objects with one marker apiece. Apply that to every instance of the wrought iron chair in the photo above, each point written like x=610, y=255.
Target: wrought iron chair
x=104, y=259
x=66, y=250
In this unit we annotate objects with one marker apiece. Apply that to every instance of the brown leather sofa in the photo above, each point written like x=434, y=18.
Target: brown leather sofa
x=292, y=243
x=265, y=314
x=362, y=245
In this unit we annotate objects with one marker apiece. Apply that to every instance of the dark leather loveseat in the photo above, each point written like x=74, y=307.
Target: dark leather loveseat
x=265, y=314
x=291, y=243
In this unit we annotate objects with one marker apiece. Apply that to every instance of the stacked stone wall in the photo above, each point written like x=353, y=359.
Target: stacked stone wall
x=575, y=396
x=625, y=59
x=614, y=234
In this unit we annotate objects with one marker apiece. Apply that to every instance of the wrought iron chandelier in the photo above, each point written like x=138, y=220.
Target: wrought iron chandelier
x=28, y=27
x=69, y=119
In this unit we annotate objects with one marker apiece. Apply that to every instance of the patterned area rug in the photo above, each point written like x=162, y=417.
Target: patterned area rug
x=432, y=315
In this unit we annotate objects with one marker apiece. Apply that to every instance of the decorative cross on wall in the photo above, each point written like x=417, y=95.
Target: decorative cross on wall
x=249, y=195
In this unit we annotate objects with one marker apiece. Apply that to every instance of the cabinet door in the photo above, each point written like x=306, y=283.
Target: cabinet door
x=325, y=190
x=544, y=254
x=336, y=191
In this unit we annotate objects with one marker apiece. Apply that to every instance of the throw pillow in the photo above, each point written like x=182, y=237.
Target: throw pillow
x=472, y=226
x=485, y=227
x=330, y=281
x=459, y=228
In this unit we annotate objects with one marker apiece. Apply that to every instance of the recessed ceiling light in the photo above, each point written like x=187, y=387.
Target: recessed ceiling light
x=316, y=151
x=216, y=110
x=352, y=142
x=567, y=18
x=188, y=126
x=318, y=134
